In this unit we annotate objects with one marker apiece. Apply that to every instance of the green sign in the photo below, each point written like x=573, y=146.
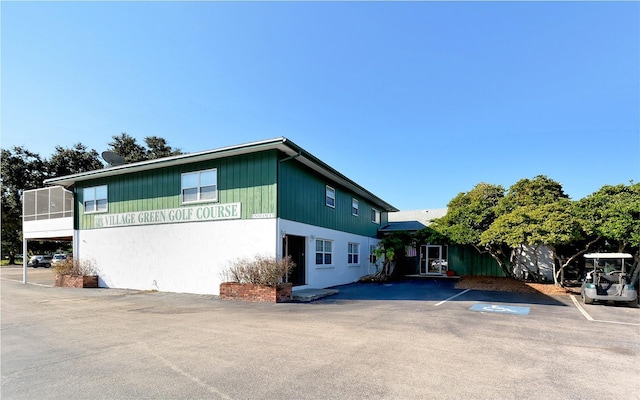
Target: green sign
x=205, y=212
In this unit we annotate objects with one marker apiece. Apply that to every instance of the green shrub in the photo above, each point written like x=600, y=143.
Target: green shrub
x=72, y=266
x=261, y=270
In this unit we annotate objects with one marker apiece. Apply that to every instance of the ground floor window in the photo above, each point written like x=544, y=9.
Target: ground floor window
x=323, y=252
x=353, y=253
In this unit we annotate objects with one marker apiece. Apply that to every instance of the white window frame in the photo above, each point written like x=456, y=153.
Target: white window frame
x=375, y=216
x=199, y=186
x=330, y=196
x=355, y=207
x=326, y=244
x=353, y=253
x=98, y=197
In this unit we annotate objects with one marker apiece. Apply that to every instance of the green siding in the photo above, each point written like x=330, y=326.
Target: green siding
x=466, y=260
x=249, y=179
x=301, y=195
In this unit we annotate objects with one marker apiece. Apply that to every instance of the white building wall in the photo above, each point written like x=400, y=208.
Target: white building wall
x=340, y=272
x=190, y=257
x=48, y=228
x=184, y=257
x=536, y=259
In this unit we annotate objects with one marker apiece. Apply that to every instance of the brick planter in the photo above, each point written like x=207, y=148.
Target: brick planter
x=255, y=293
x=79, y=281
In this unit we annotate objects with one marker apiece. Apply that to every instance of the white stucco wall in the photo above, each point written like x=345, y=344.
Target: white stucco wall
x=539, y=260
x=185, y=257
x=189, y=257
x=339, y=273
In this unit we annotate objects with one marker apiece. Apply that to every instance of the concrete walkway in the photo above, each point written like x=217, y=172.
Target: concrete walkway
x=307, y=295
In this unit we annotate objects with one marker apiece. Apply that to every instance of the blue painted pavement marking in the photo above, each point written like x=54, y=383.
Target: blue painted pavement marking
x=500, y=309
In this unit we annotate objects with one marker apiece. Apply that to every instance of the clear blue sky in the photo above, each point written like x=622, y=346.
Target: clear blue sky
x=416, y=101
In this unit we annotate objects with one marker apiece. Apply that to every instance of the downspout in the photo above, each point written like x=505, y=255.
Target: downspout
x=279, y=234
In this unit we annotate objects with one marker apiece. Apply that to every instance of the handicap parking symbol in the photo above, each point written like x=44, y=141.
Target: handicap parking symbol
x=500, y=309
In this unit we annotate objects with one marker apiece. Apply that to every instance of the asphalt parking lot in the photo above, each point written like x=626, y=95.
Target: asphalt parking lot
x=413, y=340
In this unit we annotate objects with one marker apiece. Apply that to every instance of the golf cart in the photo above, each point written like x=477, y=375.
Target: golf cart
x=607, y=278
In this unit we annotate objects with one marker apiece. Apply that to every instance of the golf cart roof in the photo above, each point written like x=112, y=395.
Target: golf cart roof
x=608, y=255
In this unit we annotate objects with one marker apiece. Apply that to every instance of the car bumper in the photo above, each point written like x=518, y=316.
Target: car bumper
x=626, y=295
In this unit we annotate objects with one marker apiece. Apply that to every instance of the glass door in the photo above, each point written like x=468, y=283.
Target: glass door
x=431, y=260
x=434, y=257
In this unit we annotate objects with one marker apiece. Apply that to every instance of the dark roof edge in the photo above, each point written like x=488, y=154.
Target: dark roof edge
x=281, y=143
x=69, y=180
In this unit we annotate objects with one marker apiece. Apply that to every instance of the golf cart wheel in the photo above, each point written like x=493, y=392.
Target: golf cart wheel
x=586, y=299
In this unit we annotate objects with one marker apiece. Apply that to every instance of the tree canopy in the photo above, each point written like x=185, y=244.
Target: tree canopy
x=20, y=170
x=128, y=147
x=68, y=161
x=537, y=212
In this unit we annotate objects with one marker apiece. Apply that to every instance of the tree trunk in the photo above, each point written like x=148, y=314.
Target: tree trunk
x=568, y=261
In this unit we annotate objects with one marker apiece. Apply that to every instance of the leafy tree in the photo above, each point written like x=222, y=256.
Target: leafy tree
x=21, y=170
x=429, y=235
x=613, y=213
x=73, y=160
x=158, y=148
x=531, y=192
x=391, y=246
x=128, y=147
x=535, y=212
x=470, y=214
x=552, y=225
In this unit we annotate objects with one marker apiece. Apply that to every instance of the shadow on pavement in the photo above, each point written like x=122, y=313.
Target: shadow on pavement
x=431, y=290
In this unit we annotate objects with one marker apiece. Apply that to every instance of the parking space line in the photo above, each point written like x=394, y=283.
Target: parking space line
x=28, y=283
x=453, y=297
x=582, y=310
x=590, y=318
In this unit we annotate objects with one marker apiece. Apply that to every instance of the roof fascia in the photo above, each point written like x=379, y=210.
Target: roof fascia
x=283, y=144
x=181, y=159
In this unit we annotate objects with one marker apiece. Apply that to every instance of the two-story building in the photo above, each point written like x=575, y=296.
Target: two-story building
x=175, y=223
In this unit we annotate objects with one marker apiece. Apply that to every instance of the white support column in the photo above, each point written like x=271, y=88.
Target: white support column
x=25, y=259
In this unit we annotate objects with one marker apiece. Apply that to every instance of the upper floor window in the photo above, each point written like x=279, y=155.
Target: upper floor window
x=95, y=199
x=353, y=253
x=330, y=194
x=354, y=207
x=375, y=216
x=323, y=252
x=200, y=186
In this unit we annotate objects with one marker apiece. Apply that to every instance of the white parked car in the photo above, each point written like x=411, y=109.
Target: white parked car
x=58, y=258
